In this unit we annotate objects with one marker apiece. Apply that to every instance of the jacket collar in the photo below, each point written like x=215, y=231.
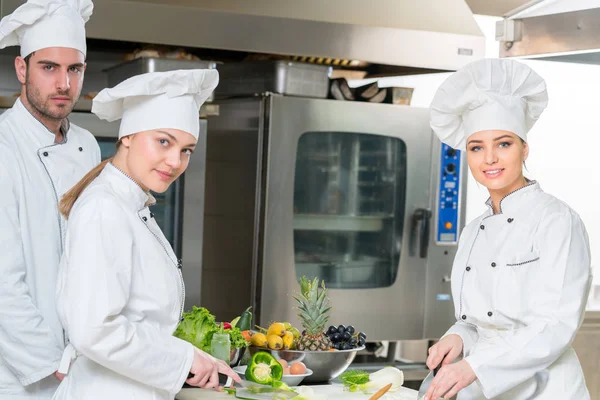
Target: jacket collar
x=127, y=188
x=516, y=199
x=43, y=135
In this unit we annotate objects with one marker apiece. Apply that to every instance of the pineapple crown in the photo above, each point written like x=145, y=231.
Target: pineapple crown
x=313, y=305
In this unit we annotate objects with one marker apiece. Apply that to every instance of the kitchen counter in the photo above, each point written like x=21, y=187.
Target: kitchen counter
x=333, y=392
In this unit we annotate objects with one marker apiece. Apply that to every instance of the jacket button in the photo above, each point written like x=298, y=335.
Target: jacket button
x=482, y=227
x=464, y=317
x=510, y=220
x=468, y=268
x=490, y=313
x=45, y=154
x=145, y=219
x=493, y=264
x=81, y=149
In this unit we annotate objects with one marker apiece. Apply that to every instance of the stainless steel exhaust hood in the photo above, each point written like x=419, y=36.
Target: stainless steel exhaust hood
x=431, y=34
x=553, y=30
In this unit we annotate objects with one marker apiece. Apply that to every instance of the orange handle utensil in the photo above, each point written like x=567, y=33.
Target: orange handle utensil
x=381, y=392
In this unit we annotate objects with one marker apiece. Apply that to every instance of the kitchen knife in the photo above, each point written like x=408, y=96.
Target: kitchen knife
x=427, y=382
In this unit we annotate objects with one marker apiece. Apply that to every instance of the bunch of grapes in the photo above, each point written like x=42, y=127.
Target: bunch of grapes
x=345, y=337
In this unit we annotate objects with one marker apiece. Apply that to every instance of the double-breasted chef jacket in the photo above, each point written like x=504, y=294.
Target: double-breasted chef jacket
x=122, y=273
x=34, y=174
x=520, y=282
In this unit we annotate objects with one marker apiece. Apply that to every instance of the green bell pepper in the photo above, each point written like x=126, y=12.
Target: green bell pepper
x=264, y=369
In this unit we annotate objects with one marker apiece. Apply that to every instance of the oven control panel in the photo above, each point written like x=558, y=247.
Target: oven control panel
x=447, y=229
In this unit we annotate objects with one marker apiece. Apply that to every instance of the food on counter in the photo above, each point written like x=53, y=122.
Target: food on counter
x=279, y=335
x=277, y=329
x=355, y=380
x=198, y=327
x=297, y=368
x=274, y=342
x=259, y=339
x=345, y=337
x=314, y=313
x=264, y=369
x=283, y=363
x=245, y=321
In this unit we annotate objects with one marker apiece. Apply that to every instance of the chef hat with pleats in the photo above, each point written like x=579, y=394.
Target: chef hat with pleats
x=489, y=94
x=39, y=24
x=157, y=100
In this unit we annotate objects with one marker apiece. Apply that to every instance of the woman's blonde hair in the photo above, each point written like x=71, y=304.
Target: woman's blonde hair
x=68, y=200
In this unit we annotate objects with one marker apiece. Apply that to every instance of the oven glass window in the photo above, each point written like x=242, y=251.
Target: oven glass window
x=164, y=209
x=349, y=195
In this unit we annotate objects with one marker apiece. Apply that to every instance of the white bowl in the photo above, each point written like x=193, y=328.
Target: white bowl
x=290, y=380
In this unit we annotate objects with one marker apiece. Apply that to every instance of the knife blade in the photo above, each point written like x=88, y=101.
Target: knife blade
x=427, y=382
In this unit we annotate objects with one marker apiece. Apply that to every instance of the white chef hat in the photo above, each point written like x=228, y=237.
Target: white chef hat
x=155, y=100
x=489, y=94
x=39, y=24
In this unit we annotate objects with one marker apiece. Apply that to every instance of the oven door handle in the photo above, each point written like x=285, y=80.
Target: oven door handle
x=419, y=232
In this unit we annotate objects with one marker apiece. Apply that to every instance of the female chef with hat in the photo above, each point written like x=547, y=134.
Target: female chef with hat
x=120, y=290
x=521, y=275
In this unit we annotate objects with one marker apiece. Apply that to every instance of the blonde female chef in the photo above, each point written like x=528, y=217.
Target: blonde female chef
x=521, y=275
x=120, y=291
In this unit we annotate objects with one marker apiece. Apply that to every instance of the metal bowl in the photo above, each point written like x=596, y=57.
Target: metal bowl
x=236, y=356
x=325, y=365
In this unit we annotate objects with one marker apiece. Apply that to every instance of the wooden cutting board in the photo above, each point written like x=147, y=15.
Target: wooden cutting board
x=333, y=392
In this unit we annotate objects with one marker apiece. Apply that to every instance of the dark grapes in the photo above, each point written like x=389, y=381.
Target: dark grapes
x=345, y=337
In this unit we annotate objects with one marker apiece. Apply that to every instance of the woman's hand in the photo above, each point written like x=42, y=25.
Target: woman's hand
x=450, y=380
x=206, y=369
x=59, y=376
x=445, y=351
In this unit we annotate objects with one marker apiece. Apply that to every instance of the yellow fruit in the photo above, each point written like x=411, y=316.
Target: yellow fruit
x=259, y=339
x=288, y=340
x=276, y=328
x=295, y=332
x=287, y=325
x=275, y=342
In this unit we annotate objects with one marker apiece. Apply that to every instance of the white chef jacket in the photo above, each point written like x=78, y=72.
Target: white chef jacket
x=34, y=173
x=120, y=297
x=520, y=282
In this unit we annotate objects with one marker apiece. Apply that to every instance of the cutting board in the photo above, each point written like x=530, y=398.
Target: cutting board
x=333, y=392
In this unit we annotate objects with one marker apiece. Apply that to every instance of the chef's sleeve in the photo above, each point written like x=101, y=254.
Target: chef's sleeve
x=468, y=334
x=561, y=290
x=101, y=253
x=27, y=344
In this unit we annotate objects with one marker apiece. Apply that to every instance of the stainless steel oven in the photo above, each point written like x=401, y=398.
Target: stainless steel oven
x=358, y=194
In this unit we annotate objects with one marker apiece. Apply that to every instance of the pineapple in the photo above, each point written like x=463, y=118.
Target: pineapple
x=314, y=314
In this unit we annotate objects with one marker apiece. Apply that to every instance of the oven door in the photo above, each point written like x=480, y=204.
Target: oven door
x=348, y=198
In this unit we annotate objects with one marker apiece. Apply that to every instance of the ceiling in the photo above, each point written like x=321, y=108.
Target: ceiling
x=495, y=7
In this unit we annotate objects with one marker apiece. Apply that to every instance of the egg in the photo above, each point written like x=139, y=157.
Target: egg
x=297, y=368
x=283, y=363
x=286, y=371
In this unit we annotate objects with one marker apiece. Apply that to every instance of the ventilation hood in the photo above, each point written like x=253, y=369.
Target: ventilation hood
x=553, y=30
x=430, y=34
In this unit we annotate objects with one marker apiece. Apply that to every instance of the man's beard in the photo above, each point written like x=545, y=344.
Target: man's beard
x=43, y=107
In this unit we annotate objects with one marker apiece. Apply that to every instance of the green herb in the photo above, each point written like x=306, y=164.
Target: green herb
x=353, y=378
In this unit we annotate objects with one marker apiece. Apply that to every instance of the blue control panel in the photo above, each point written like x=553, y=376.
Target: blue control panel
x=448, y=196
